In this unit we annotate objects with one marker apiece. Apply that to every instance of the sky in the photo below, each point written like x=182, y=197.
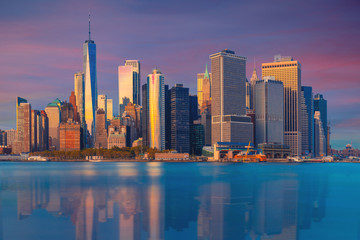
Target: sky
x=41, y=47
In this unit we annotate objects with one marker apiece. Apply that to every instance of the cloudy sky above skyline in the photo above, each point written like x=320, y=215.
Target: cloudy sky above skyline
x=41, y=47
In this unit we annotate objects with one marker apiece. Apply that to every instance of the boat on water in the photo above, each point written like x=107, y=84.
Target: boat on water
x=250, y=155
x=38, y=159
x=295, y=159
x=95, y=160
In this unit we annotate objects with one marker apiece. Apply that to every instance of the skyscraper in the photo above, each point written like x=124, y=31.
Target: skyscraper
x=69, y=134
x=72, y=101
x=129, y=84
x=320, y=104
x=45, y=131
x=193, y=108
x=90, y=77
x=102, y=103
x=319, y=136
x=101, y=132
x=307, y=131
x=269, y=110
x=11, y=137
x=109, y=109
x=252, y=83
x=53, y=113
x=156, y=109
x=136, y=68
x=18, y=101
x=24, y=128
x=79, y=87
x=34, y=130
x=204, y=90
x=288, y=71
x=229, y=123
x=145, y=115
x=180, y=118
x=67, y=112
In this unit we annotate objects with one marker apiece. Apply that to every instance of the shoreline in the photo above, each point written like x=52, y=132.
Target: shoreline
x=177, y=161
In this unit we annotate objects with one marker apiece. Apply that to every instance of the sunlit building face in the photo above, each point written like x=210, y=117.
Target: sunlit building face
x=89, y=51
x=156, y=103
x=288, y=71
x=129, y=84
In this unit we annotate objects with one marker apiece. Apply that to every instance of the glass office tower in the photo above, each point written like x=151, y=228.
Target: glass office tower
x=90, y=76
x=156, y=109
x=129, y=84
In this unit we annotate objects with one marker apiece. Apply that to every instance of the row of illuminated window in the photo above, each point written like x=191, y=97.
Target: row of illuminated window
x=282, y=65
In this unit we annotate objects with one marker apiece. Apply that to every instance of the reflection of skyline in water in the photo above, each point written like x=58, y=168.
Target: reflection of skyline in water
x=164, y=201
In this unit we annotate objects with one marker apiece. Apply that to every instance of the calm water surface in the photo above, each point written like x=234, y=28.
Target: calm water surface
x=179, y=201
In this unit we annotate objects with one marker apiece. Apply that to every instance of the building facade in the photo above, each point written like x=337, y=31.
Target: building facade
x=319, y=136
x=72, y=101
x=145, y=115
x=129, y=84
x=67, y=112
x=228, y=103
x=156, y=109
x=269, y=111
x=307, y=107
x=53, y=113
x=102, y=102
x=320, y=104
x=10, y=137
x=23, y=143
x=101, y=129
x=253, y=79
x=288, y=71
x=204, y=90
x=197, y=138
x=180, y=118
x=79, y=87
x=109, y=109
x=69, y=133
x=90, y=80
x=135, y=64
x=19, y=100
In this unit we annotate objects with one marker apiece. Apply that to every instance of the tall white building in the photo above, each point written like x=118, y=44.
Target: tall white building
x=129, y=84
x=136, y=68
x=269, y=110
x=156, y=109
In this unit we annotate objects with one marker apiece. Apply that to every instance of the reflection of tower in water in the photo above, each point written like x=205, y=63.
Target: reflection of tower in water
x=155, y=206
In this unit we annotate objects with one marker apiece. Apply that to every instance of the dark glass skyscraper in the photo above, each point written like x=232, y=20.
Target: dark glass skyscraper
x=307, y=120
x=180, y=128
x=320, y=104
x=193, y=105
x=167, y=118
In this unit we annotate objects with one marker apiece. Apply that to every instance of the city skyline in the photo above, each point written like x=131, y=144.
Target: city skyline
x=49, y=51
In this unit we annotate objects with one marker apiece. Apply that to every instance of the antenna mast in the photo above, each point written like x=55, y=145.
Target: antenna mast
x=89, y=28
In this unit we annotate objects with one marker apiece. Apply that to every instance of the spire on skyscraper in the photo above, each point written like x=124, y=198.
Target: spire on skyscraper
x=206, y=75
x=254, y=77
x=89, y=28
